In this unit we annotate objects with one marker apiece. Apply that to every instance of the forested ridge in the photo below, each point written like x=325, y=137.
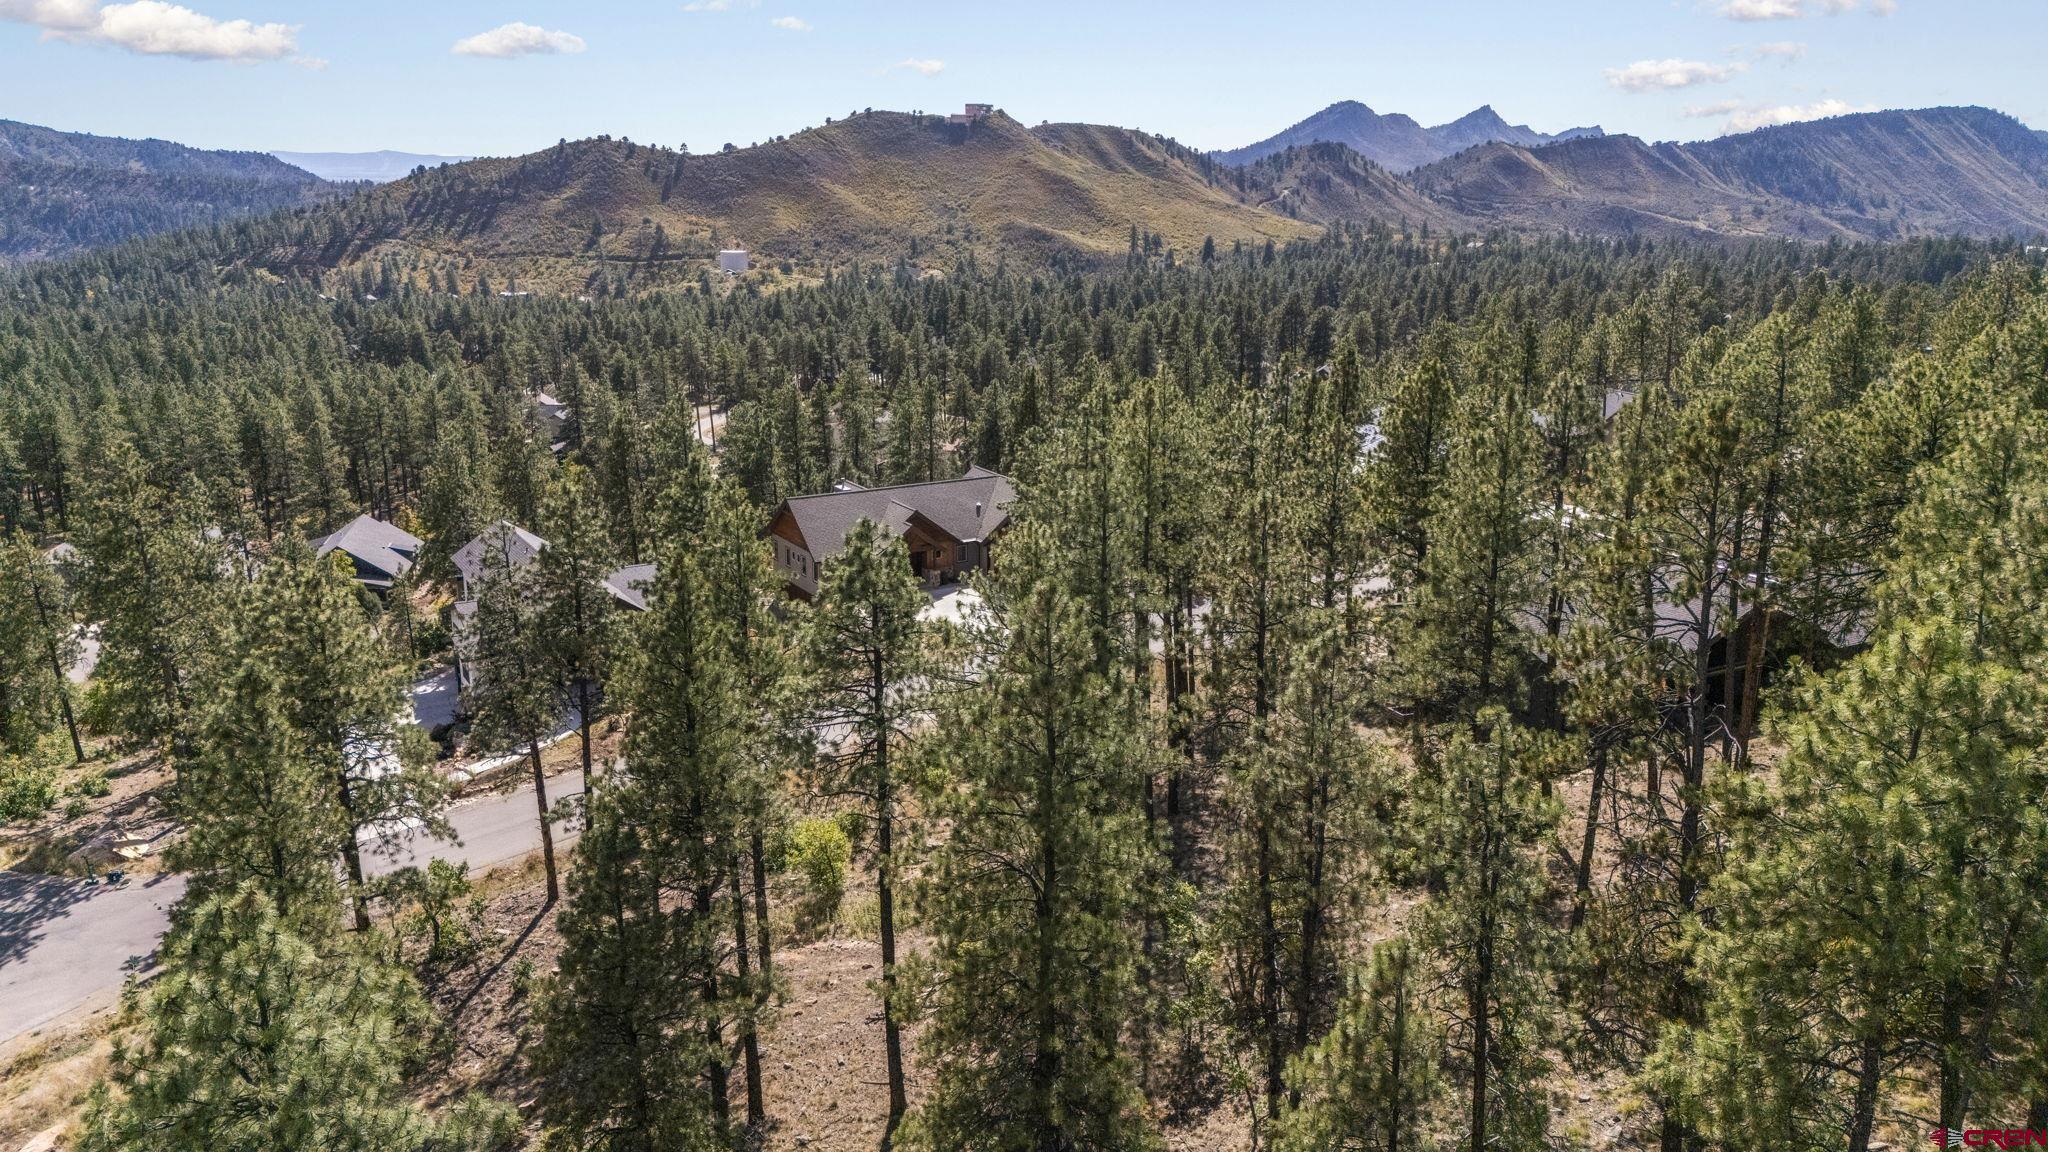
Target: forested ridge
x=1426, y=685
x=66, y=192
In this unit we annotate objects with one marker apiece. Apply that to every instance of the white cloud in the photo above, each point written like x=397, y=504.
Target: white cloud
x=154, y=28
x=1786, y=50
x=1792, y=9
x=921, y=65
x=1709, y=111
x=53, y=16
x=1666, y=75
x=1747, y=119
x=1760, y=9
x=517, y=39
x=719, y=5
x=790, y=24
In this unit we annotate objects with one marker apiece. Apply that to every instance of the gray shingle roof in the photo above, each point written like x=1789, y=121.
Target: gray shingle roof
x=504, y=542
x=973, y=507
x=385, y=547
x=629, y=585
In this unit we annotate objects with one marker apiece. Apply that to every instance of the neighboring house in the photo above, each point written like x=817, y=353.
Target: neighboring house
x=554, y=419
x=502, y=545
x=629, y=585
x=65, y=557
x=383, y=553
x=947, y=526
x=506, y=547
x=733, y=261
x=974, y=112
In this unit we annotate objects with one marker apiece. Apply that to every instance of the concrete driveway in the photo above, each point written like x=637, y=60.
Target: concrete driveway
x=434, y=699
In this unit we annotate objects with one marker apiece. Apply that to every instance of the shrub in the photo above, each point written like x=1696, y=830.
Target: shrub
x=27, y=789
x=93, y=784
x=437, y=910
x=820, y=851
x=523, y=977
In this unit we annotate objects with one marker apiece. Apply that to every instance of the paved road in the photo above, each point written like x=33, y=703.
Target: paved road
x=64, y=943
x=493, y=830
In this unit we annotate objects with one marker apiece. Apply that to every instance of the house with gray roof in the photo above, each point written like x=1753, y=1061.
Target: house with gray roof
x=505, y=547
x=383, y=553
x=502, y=546
x=948, y=526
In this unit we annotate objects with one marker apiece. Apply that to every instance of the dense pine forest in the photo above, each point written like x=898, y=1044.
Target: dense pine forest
x=1426, y=684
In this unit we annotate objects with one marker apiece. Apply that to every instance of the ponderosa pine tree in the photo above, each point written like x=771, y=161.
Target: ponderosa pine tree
x=344, y=692
x=1871, y=868
x=1260, y=593
x=736, y=566
x=1486, y=930
x=869, y=661
x=577, y=615
x=255, y=1038
x=622, y=1043
x=1466, y=632
x=1372, y=1083
x=154, y=583
x=514, y=694
x=684, y=756
x=259, y=806
x=38, y=646
x=1034, y=898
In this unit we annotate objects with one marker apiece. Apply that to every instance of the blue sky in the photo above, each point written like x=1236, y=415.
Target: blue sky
x=366, y=74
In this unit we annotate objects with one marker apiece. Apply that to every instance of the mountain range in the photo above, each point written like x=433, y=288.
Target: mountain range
x=62, y=192
x=888, y=185
x=1396, y=142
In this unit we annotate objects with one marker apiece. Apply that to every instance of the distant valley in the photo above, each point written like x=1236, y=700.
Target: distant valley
x=374, y=167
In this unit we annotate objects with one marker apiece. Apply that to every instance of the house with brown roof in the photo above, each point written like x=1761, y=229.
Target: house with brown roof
x=947, y=526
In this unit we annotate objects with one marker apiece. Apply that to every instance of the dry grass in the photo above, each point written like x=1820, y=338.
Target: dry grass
x=45, y=1075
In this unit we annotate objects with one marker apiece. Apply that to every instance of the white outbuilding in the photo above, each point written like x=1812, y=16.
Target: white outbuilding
x=732, y=261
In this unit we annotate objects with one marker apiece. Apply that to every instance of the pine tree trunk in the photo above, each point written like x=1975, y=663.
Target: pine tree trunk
x=1313, y=910
x=547, y=832
x=1589, y=842
x=1479, y=1006
x=750, y=1036
x=1753, y=664
x=885, y=897
x=351, y=852
x=765, y=956
x=1045, y=1055
x=1269, y=976
x=58, y=672
x=1399, y=1038
x=583, y=727
x=1863, y=1107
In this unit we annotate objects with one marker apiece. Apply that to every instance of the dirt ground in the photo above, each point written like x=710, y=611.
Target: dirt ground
x=133, y=782
x=822, y=1059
